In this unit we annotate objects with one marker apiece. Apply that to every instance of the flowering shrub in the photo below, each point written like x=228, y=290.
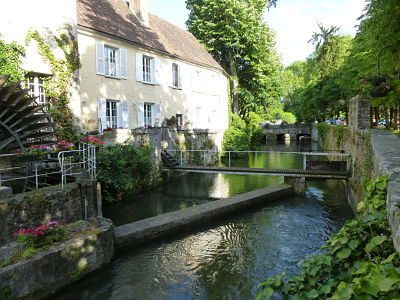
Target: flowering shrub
x=108, y=129
x=92, y=141
x=43, y=235
x=37, y=150
x=63, y=146
x=377, y=86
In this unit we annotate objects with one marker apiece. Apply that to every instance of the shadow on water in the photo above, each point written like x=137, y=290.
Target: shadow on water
x=227, y=259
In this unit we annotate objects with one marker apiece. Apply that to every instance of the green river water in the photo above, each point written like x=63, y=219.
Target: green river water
x=227, y=259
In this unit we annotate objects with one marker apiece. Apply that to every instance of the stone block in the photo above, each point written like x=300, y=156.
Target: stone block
x=5, y=193
x=48, y=271
x=359, y=113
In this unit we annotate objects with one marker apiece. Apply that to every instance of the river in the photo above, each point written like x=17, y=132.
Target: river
x=225, y=260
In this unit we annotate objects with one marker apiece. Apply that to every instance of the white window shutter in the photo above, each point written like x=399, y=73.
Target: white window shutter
x=123, y=114
x=179, y=76
x=140, y=114
x=158, y=114
x=101, y=114
x=123, y=60
x=170, y=74
x=100, y=58
x=139, y=67
x=156, y=71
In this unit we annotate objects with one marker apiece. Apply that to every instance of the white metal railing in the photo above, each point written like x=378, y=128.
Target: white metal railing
x=182, y=159
x=69, y=163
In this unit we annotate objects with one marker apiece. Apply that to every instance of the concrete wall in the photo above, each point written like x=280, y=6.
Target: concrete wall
x=46, y=272
x=78, y=201
x=202, y=100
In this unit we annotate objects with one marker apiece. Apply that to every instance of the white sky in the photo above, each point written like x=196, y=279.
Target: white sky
x=294, y=21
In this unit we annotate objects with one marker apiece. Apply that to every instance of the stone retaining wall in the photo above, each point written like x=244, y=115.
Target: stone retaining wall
x=374, y=153
x=77, y=201
x=46, y=272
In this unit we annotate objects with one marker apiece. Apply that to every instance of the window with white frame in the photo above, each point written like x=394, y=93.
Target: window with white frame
x=36, y=89
x=148, y=115
x=176, y=76
x=147, y=69
x=111, y=114
x=111, y=61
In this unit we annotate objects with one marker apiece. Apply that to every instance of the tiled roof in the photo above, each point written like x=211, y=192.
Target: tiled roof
x=115, y=18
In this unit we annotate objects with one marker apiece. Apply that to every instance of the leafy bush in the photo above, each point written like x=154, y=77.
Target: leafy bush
x=124, y=170
x=359, y=262
x=236, y=137
x=322, y=129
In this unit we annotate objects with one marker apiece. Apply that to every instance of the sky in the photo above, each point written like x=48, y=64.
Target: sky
x=293, y=20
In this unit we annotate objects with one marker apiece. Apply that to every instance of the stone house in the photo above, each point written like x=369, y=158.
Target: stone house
x=137, y=69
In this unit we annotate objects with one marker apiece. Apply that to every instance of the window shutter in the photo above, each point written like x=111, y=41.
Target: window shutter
x=101, y=114
x=156, y=71
x=123, y=114
x=158, y=114
x=100, y=58
x=139, y=67
x=140, y=114
x=123, y=63
x=179, y=76
x=170, y=74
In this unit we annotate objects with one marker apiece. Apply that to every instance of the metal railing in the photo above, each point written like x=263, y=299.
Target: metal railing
x=68, y=163
x=230, y=155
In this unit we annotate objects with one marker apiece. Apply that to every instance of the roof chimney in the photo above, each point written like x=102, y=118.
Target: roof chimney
x=140, y=9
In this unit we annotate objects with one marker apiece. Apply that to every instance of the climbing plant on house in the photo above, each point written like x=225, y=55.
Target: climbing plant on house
x=10, y=60
x=58, y=85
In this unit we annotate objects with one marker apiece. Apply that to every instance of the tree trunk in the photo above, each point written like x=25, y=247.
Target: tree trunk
x=234, y=84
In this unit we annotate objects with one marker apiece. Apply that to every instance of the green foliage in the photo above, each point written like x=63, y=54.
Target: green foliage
x=10, y=60
x=236, y=137
x=235, y=34
x=338, y=132
x=124, y=170
x=322, y=129
x=58, y=86
x=359, y=262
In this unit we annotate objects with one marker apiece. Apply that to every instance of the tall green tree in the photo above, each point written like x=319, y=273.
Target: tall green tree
x=233, y=31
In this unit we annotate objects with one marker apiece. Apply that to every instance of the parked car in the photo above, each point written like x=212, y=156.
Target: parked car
x=382, y=122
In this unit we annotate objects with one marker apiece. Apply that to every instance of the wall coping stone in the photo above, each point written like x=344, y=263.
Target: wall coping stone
x=386, y=150
x=157, y=227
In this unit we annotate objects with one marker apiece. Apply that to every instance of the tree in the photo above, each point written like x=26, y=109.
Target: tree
x=10, y=60
x=234, y=33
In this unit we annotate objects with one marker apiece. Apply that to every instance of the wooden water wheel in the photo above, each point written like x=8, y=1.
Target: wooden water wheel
x=22, y=121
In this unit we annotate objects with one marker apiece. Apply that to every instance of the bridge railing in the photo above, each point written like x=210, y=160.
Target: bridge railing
x=206, y=157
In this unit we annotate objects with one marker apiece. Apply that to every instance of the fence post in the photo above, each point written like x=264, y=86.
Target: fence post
x=181, y=157
x=36, y=177
x=204, y=157
x=304, y=161
x=229, y=158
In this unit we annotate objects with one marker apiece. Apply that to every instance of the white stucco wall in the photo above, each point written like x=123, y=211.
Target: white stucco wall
x=202, y=100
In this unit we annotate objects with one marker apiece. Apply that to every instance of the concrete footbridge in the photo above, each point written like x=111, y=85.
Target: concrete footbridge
x=317, y=169
x=292, y=131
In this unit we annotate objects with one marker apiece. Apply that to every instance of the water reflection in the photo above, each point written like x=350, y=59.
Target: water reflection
x=228, y=259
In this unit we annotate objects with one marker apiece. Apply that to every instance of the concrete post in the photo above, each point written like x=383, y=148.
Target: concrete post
x=299, y=184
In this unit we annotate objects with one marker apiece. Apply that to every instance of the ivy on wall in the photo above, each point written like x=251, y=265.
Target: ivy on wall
x=58, y=85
